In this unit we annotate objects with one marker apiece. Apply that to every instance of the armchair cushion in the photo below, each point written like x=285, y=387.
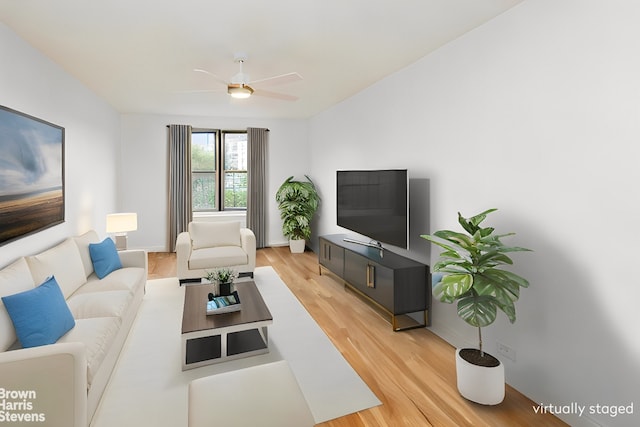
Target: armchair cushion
x=214, y=234
x=217, y=257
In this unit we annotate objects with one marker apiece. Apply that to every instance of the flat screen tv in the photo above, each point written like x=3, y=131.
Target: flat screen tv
x=375, y=203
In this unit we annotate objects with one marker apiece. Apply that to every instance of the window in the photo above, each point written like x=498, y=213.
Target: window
x=219, y=167
x=203, y=170
x=235, y=170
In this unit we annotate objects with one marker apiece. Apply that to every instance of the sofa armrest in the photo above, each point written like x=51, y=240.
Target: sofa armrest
x=183, y=252
x=248, y=243
x=51, y=378
x=134, y=258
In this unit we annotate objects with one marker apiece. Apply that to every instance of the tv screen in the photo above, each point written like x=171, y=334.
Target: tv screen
x=375, y=203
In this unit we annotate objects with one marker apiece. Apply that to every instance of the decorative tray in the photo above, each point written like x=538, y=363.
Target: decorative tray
x=223, y=304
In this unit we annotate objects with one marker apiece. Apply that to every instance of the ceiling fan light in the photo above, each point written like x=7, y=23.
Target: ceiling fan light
x=239, y=90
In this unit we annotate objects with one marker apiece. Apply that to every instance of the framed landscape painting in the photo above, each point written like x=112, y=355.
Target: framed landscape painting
x=31, y=175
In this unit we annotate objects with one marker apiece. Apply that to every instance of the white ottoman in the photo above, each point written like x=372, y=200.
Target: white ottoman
x=265, y=395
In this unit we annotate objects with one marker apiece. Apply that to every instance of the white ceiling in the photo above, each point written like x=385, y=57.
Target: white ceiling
x=139, y=55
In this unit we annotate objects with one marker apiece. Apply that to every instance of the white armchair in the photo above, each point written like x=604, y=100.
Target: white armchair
x=209, y=245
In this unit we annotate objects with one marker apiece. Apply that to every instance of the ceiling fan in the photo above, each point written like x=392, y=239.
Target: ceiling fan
x=240, y=85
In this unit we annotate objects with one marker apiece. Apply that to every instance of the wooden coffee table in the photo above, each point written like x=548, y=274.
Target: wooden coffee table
x=221, y=337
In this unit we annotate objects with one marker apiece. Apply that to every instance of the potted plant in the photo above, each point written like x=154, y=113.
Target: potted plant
x=223, y=277
x=298, y=201
x=471, y=264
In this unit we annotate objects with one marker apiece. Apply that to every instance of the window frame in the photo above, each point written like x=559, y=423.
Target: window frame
x=219, y=170
x=224, y=171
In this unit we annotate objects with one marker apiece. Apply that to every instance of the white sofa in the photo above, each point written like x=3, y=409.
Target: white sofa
x=209, y=245
x=64, y=382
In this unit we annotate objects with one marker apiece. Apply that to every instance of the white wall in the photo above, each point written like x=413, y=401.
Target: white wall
x=144, y=177
x=535, y=113
x=33, y=84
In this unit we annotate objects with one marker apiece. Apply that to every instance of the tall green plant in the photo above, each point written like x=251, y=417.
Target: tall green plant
x=298, y=201
x=474, y=277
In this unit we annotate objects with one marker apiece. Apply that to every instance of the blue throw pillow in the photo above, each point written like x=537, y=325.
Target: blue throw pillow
x=104, y=257
x=40, y=316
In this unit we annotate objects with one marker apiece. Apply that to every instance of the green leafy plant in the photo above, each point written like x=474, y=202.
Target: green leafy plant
x=472, y=264
x=221, y=275
x=298, y=201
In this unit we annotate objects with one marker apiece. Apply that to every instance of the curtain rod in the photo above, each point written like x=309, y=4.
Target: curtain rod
x=230, y=130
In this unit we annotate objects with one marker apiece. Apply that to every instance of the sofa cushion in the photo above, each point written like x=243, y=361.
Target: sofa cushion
x=83, y=242
x=14, y=278
x=125, y=279
x=99, y=304
x=104, y=256
x=62, y=261
x=214, y=234
x=226, y=256
x=98, y=335
x=40, y=315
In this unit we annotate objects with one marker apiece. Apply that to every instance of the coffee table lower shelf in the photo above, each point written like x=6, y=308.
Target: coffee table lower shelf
x=204, y=347
x=208, y=339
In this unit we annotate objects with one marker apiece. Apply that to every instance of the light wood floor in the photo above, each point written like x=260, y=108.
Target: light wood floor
x=411, y=372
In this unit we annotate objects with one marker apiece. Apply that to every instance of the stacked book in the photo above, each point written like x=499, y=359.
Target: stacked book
x=223, y=304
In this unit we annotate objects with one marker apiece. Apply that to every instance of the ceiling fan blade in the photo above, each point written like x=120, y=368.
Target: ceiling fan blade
x=277, y=80
x=199, y=91
x=275, y=95
x=218, y=79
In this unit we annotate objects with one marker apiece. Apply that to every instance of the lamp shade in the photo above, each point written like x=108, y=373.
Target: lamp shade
x=122, y=222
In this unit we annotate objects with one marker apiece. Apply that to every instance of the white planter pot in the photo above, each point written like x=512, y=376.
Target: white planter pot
x=297, y=246
x=480, y=384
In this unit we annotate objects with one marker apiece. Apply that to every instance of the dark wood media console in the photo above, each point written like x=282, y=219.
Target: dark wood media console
x=396, y=284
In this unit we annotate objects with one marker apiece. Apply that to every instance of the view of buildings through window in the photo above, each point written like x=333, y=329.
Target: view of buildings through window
x=218, y=166
x=235, y=170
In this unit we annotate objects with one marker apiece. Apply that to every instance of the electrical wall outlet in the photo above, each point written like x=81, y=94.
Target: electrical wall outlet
x=506, y=351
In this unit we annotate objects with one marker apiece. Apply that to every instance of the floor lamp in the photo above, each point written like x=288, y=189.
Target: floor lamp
x=119, y=224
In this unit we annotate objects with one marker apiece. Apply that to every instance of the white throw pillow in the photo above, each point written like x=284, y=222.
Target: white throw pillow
x=214, y=234
x=83, y=241
x=62, y=261
x=14, y=278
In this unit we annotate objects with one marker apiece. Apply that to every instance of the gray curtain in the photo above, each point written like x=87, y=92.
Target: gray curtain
x=257, y=141
x=180, y=211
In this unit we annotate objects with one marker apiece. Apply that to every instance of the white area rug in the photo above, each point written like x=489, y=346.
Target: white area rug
x=148, y=386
